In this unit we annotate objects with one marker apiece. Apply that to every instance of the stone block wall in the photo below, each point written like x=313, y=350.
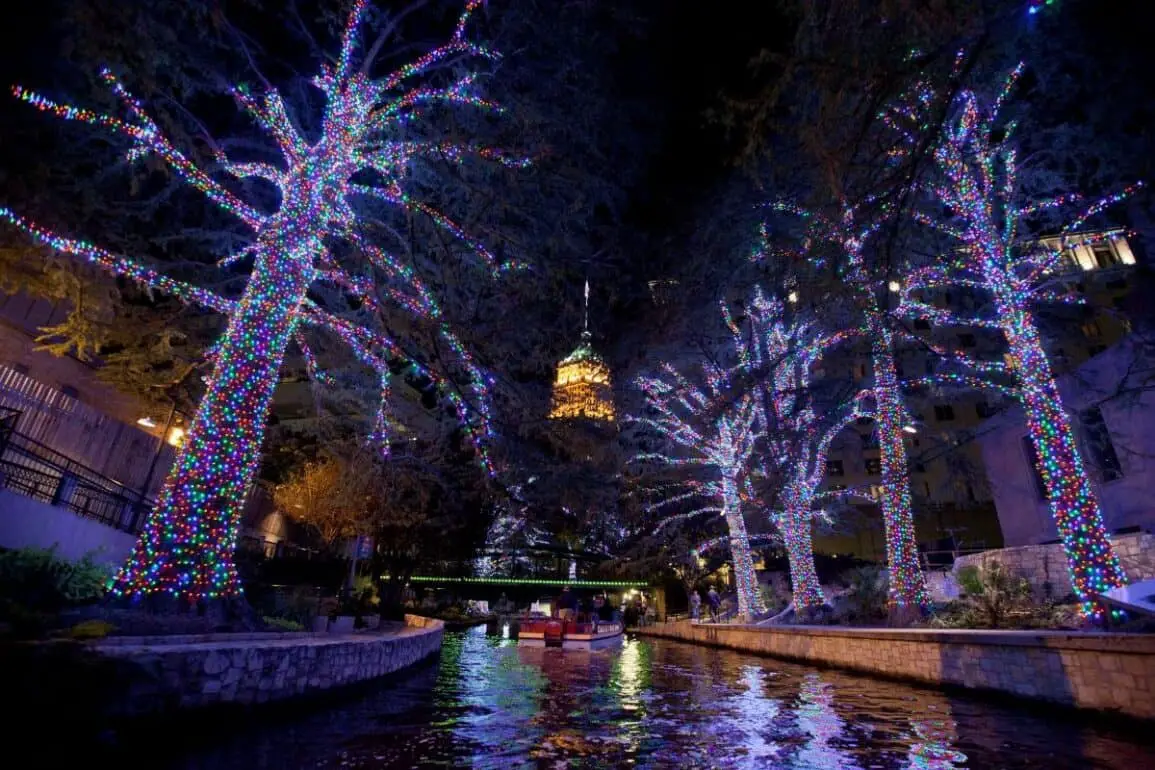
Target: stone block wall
x=163, y=674
x=1109, y=672
x=1045, y=566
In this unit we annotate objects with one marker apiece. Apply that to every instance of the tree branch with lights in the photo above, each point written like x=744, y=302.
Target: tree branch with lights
x=780, y=355
x=849, y=234
x=710, y=437
x=326, y=183
x=989, y=220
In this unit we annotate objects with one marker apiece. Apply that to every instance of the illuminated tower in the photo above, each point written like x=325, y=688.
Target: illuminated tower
x=583, y=390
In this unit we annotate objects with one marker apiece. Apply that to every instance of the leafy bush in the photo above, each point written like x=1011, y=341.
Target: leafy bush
x=91, y=629
x=775, y=599
x=992, y=592
x=865, y=597
x=39, y=581
x=282, y=624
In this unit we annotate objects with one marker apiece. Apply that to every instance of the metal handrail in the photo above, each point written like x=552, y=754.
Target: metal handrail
x=77, y=495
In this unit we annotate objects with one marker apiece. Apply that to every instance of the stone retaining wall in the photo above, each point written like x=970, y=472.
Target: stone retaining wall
x=1045, y=566
x=166, y=673
x=1110, y=672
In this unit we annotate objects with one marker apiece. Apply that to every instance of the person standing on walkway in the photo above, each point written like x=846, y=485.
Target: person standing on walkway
x=695, y=604
x=566, y=604
x=715, y=602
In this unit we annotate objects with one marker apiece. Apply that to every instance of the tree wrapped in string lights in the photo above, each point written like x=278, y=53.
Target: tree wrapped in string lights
x=781, y=354
x=849, y=234
x=361, y=159
x=711, y=438
x=978, y=182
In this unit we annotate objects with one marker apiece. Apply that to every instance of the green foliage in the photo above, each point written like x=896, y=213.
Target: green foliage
x=865, y=597
x=774, y=599
x=38, y=580
x=992, y=592
x=91, y=629
x=282, y=624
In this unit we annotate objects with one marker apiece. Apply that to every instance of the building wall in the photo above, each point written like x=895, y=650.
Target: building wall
x=1114, y=382
x=20, y=318
x=28, y=523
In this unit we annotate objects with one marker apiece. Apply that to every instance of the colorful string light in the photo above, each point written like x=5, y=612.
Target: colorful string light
x=186, y=548
x=714, y=436
x=978, y=185
x=906, y=582
x=781, y=354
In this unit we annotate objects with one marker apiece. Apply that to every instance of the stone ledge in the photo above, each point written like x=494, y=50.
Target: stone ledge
x=1106, y=672
x=1141, y=644
x=165, y=674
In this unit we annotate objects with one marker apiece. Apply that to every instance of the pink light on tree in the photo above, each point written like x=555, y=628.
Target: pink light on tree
x=360, y=157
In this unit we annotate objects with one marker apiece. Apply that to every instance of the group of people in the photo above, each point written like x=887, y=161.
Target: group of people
x=713, y=603
x=598, y=609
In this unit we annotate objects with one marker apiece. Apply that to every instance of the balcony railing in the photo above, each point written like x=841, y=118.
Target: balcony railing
x=34, y=470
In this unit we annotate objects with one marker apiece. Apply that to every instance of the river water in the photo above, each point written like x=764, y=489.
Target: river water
x=658, y=704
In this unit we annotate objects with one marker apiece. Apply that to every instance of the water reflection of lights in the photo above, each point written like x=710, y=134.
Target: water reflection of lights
x=489, y=688
x=817, y=718
x=755, y=716
x=505, y=631
x=934, y=732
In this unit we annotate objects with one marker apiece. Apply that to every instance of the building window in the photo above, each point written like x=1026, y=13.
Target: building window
x=1104, y=255
x=1097, y=440
x=966, y=340
x=1033, y=462
x=943, y=412
x=873, y=466
x=985, y=410
x=1092, y=330
x=922, y=324
x=834, y=468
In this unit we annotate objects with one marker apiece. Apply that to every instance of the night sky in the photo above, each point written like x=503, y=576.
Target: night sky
x=689, y=56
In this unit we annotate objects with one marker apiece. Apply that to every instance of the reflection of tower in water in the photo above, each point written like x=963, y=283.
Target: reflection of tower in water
x=933, y=733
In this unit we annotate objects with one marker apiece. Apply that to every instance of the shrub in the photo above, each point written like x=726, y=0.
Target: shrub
x=91, y=629
x=865, y=597
x=282, y=624
x=992, y=592
x=39, y=581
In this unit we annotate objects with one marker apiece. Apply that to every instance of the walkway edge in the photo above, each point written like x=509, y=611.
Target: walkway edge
x=1104, y=672
x=160, y=676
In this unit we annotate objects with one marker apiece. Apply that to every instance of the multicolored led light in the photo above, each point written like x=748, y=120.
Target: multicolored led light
x=716, y=437
x=906, y=583
x=186, y=548
x=780, y=354
x=978, y=185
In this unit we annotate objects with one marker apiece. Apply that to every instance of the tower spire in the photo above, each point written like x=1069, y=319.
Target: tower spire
x=586, y=311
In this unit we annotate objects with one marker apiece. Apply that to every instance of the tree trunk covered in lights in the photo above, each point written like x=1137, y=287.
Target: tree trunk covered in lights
x=906, y=584
x=797, y=531
x=745, y=579
x=186, y=548
x=1092, y=562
